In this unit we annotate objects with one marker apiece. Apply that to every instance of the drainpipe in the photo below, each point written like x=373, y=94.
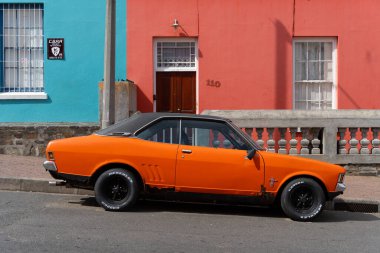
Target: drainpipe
x=108, y=110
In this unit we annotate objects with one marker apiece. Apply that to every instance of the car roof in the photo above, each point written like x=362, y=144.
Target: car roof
x=139, y=120
x=156, y=115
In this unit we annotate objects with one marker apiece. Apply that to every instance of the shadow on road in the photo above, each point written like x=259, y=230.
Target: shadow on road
x=148, y=206
x=152, y=206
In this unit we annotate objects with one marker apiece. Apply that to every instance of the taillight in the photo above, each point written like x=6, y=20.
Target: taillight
x=51, y=156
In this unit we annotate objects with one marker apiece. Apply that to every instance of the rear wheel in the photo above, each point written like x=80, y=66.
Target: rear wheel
x=302, y=199
x=116, y=190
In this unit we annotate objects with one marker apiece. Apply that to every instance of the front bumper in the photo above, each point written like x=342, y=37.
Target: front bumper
x=340, y=187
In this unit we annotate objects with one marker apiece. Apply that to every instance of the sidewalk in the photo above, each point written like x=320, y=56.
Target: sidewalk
x=25, y=173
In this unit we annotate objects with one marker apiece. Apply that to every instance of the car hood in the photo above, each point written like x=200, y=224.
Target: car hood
x=280, y=161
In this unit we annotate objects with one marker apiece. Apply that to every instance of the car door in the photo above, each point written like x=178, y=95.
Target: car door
x=212, y=159
x=158, y=160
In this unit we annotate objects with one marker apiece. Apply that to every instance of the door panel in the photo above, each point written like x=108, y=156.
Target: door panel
x=157, y=163
x=158, y=153
x=165, y=92
x=187, y=85
x=175, y=92
x=218, y=170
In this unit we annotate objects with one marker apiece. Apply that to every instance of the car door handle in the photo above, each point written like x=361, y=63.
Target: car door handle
x=187, y=151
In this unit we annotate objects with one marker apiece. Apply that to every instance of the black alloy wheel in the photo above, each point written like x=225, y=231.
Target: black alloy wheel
x=116, y=190
x=303, y=199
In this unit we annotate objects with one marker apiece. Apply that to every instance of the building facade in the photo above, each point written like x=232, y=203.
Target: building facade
x=190, y=56
x=51, y=59
x=51, y=64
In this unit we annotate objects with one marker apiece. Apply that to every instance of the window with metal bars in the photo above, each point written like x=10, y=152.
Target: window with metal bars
x=21, y=44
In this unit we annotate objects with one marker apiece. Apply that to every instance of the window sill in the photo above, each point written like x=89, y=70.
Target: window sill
x=23, y=95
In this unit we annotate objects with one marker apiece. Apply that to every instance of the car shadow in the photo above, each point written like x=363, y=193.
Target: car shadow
x=151, y=206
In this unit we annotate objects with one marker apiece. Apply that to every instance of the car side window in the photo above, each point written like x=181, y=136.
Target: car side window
x=213, y=134
x=164, y=131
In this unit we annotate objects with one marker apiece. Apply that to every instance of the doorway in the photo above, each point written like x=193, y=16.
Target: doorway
x=176, y=92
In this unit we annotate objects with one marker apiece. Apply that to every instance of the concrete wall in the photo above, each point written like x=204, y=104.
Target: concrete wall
x=246, y=46
x=32, y=139
x=125, y=100
x=71, y=84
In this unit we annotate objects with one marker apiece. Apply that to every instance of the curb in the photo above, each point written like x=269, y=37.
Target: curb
x=38, y=185
x=42, y=185
x=356, y=205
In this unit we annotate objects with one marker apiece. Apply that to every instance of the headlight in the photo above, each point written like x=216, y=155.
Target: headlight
x=341, y=177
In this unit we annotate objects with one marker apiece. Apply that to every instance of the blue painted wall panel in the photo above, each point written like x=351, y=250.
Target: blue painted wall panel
x=72, y=83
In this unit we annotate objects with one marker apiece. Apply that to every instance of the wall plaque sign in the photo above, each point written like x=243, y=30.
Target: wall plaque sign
x=56, y=48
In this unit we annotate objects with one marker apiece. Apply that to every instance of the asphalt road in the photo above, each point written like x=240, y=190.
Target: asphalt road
x=38, y=222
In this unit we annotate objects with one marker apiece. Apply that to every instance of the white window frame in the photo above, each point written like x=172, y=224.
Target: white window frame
x=334, y=66
x=174, y=69
x=25, y=94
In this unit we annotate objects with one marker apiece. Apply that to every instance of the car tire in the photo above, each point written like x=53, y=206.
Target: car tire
x=116, y=190
x=302, y=199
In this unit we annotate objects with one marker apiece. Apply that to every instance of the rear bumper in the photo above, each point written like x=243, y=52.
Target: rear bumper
x=50, y=166
x=72, y=180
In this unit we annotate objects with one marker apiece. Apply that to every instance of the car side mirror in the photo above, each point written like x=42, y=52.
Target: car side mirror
x=250, y=154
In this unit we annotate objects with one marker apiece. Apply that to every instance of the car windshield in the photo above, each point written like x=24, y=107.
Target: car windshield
x=247, y=137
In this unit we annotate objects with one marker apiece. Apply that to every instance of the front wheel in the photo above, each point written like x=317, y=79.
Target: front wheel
x=116, y=190
x=302, y=199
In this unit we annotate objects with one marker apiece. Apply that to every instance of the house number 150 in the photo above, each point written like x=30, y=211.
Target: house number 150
x=213, y=83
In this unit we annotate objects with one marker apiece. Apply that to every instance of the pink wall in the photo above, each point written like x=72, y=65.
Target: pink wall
x=246, y=45
x=357, y=26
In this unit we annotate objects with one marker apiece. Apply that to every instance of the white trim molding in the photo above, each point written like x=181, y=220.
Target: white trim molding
x=23, y=95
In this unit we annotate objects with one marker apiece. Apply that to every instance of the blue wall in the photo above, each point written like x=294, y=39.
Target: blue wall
x=71, y=84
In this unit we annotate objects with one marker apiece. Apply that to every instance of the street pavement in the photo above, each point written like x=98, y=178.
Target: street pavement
x=26, y=173
x=38, y=222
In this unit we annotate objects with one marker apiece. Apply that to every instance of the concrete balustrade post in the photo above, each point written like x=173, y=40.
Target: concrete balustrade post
x=271, y=143
x=315, y=142
x=305, y=141
x=293, y=142
x=282, y=142
x=259, y=132
x=342, y=142
x=375, y=141
x=353, y=141
x=364, y=142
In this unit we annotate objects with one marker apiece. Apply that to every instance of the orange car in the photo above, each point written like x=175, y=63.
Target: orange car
x=182, y=154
